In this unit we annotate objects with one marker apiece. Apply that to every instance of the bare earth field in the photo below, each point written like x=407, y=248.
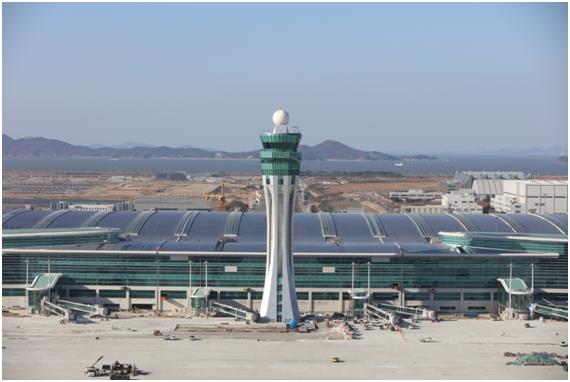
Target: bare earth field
x=41, y=348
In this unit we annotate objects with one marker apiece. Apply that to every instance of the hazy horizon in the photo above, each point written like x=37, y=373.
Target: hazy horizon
x=395, y=78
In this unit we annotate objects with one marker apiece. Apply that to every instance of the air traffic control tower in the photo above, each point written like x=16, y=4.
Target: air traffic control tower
x=280, y=164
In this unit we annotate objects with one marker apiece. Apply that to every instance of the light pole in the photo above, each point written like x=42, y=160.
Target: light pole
x=27, y=285
x=352, y=290
x=532, y=281
x=369, y=264
x=206, y=281
x=49, y=280
x=510, y=289
x=189, y=288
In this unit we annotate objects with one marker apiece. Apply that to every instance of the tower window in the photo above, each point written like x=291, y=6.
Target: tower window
x=266, y=180
x=280, y=180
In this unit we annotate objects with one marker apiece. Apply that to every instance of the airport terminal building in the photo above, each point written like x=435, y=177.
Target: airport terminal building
x=157, y=259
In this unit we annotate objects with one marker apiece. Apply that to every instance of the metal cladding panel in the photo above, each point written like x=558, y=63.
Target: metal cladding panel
x=141, y=246
x=207, y=227
x=25, y=220
x=253, y=229
x=400, y=229
x=443, y=222
x=352, y=228
x=488, y=223
x=534, y=224
x=120, y=220
x=160, y=226
x=73, y=219
x=188, y=246
x=307, y=228
x=377, y=247
x=248, y=247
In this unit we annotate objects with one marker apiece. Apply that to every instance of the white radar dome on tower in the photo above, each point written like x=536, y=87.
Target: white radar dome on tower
x=280, y=117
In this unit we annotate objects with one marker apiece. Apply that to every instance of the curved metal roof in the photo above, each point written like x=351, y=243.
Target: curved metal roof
x=208, y=231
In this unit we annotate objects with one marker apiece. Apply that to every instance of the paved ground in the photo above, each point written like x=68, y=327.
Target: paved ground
x=41, y=348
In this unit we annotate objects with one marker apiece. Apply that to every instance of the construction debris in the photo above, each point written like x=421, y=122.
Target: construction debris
x=224, y=327
x=116, y=370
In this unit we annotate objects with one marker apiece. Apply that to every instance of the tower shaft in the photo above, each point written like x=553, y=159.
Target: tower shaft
x=280, y=164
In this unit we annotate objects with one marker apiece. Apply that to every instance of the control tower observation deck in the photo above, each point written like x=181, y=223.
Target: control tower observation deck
x=280, y=165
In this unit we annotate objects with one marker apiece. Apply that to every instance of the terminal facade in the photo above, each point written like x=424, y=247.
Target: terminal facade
x=156, y=259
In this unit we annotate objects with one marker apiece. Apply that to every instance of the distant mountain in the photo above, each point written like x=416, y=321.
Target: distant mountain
x=44, y=147
x=126, y=145
x=330, y=149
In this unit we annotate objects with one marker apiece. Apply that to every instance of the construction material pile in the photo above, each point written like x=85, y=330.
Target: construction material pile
x=534, y=359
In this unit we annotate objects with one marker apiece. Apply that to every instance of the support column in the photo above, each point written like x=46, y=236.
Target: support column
x=341, y=302
x=128, y=298
x=311, y=306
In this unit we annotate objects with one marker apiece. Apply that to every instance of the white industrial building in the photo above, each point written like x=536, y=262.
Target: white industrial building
x=82, y=206
x=463, y=200
x=532, y=196
x=424, y=209
x=414, y=195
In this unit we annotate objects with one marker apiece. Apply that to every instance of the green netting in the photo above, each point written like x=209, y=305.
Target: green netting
x=535, y=359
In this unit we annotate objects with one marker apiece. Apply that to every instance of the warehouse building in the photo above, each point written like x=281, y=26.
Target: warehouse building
x=466, y=179
x=157, y=259
x=532, y=196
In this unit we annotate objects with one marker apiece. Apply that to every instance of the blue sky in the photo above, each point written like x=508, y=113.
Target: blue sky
x=387, y=77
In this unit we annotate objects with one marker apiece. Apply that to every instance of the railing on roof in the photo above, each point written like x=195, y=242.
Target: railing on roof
x=185, y=224
x=328, y=227
x=512, y=223
x=465, y=222
x=95, y=219
x=138, y=223
x=423, y=227
x=554, y=221
x=49, y=218
x=375, y=225
x=233, y=221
